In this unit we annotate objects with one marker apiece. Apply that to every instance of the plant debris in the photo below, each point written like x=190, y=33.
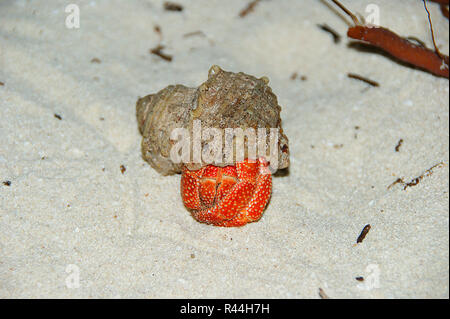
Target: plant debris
x=397, y=147
x=432, y=61
x=363, y=234
x=172, y=6
x=322, y=294
x=57, y=116
x=361, y=78
x=326, y=28
x=295, y=76
x=249, y=8
x=415, y=181
x=96, y=60
x=428, y=172
x=194, y=33
x=397, y=181
x=158, y=51
x=355, y=135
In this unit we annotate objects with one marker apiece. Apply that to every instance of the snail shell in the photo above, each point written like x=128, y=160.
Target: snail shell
x=225, y=100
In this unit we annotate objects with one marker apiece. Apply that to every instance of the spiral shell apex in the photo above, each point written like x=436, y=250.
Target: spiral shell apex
x=225, y=100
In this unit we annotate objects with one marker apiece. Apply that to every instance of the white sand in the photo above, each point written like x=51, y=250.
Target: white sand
x=63, y=209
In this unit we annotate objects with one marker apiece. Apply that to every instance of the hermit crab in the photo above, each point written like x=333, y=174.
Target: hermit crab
x=224, y=137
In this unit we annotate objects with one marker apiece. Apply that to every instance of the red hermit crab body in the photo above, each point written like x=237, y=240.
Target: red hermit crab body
x=227, y=196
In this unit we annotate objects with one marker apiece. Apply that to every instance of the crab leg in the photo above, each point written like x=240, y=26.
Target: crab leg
x=233, y=203
x=190, y=184
x=258, y=202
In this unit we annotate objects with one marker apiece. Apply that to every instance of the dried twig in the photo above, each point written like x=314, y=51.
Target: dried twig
x=415, y=181
x=348, y=12
x=397, y=147
x=194, y=33
x=361, y=78
x=397, y=181
x=326, y=28
x=249, y=8
x=158, y=51
x=432, y=32
x=428, y=172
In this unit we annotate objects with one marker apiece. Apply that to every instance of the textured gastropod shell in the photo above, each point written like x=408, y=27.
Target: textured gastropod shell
x=226, y=100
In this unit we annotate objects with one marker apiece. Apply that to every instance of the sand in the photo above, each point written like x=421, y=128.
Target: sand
x=73, y=225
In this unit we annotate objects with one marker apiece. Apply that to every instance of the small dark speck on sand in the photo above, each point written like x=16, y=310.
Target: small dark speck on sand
x=122, y=169
x=7, y=183
x=96, y=60
x=57, y=116
x=172, y=6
